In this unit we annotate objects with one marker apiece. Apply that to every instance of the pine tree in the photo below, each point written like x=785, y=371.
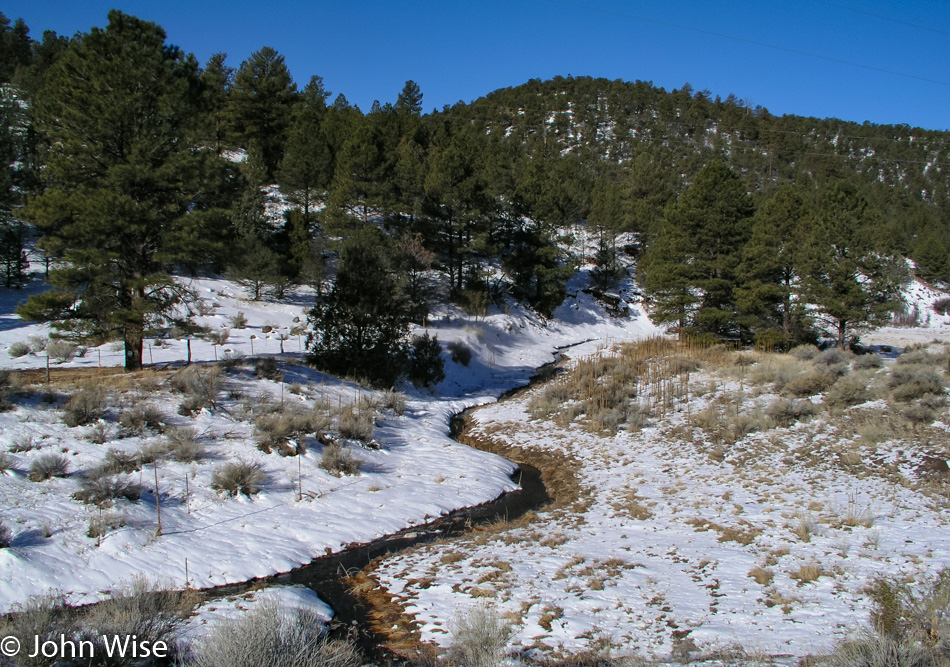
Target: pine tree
x=261, y=102
x=217, y=79
x=122, y=185
x=307, y=166
x=410, y=99
x=851, y=285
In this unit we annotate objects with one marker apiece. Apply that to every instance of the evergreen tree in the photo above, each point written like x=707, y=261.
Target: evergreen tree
x=307, y=165
x=122, y=185
x=851, y=285
x=774, y=264
x=261, y=103
x=409, y=101
x=360, y=328
x=217, y=79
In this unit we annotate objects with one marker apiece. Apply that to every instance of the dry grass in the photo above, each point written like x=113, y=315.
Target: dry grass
x=807, y=573
x=762, y=576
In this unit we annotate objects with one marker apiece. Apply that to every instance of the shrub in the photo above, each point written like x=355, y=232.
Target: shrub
x=135, y=420
x=479, y=638
x=269, y=636
x=151, y=452
x=48, y=466
x=461, y=353
x=808, y=384
x=804, y=352
x=355, y=424
x=873, y=650
x=425, y=366
x=6, y=535
x=909, y=616
x=19, y=349
x=918, y=414
x=45, y=617
x=99, y=488
x=182, y=444
x=6, y=462
x=276, y=430
x=867, y=361
x=238, y=321
x=910, y=382
x=833, y=356
x=339, y=461
x=117, y=462
x=101, y=524
x=393, y=400
x=844, y=393
x=266, y=368
x=85, y=406
x=146, y=610
x=942, y=305
x=61, y=351
x=22, y=443
x=239, y=477
x=786, y=411
x=200, y=387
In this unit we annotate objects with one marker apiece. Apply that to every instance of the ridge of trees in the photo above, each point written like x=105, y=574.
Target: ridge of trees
x=738, y=214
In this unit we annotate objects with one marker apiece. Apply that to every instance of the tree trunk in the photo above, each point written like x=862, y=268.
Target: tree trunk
x=133, y=351
x=842, y=330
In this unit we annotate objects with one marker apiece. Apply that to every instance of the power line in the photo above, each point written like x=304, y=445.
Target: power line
x=884, y=18
x=744, y=40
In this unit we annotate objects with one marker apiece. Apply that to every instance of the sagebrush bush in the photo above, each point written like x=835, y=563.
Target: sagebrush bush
x=239, y=477
x=48, y=466
x=787, y=411
x=910, y=382
x=99, y=488
x=100, y=524
x=355, y=424
x=85, y=406
x=845, y=392
x=266, y=368
x=117, y=462
x=183, y=445
x=808, y=384
x=833, y=356
x=270, y=636
x=135, y=420
x=479, y=638
x=149, y=611
x=276, y=431
x=200, y=387
x=45, y=617
x=393, y=400
x=151, y=452
x=337, y=460
x=238, y=321
x=867, y=361
x=6, y=462
x=804, y=352
x=19, y=349
x=61, y=351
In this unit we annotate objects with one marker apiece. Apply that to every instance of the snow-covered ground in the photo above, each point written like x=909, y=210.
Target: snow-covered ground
x=417, y=473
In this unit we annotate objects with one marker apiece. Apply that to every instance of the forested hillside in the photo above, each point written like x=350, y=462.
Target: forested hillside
x=133, y=163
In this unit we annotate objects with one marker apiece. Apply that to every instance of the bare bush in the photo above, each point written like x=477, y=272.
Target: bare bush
x=85, y=406
x=355, y=424
x=6, y=462
x=151, y=452
x=238, y=321
x=40, y=618
x=479, y=638
x=269, y=636
x=48, y=466
x=61, y=351
x=393, y=400
x=873, y=650
x=337, y=460
x=135, y=420
x=942, y=305
x=101, y=524
x=200, y=387
x=117, y=462
x=239, y=477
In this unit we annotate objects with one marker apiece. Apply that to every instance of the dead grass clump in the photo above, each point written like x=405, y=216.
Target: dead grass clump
x=99, y=488
x=632, y=506
x=101, y=524
x=48, y=466
x=355, y=424
x=276, y=432
x=911, y=382
x=845, y=393
x=762, y=576
x=239, y=477
x=787, y=411
x=85, y=406
x=807, y=573
x=339, y=461
x=808, y=384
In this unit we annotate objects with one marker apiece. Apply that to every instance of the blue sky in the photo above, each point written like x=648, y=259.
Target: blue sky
x=808, y=57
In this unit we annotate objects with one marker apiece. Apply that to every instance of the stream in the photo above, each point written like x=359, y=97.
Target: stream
x=324, y=575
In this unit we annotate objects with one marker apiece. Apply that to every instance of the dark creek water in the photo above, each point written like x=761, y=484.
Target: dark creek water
x=325, y=575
